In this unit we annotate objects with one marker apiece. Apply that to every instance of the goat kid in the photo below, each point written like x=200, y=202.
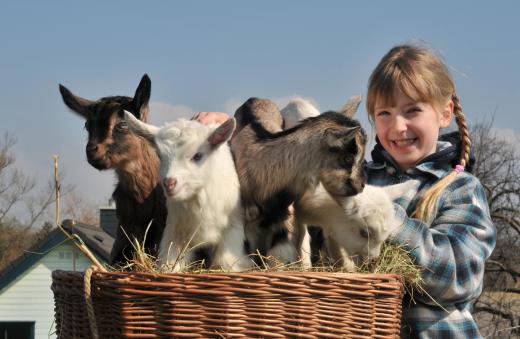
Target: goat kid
x=354, y=227
x=297, y=110
x=205, y=216
x=286, y=236
x=138, y=196
x=277, y=169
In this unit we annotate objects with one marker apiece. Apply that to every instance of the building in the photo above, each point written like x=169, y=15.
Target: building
x=26, y=300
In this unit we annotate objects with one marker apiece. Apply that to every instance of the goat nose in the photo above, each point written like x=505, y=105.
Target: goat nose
x=169, y=183
x=91, y=146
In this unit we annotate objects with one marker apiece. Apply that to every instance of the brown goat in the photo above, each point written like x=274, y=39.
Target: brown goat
x=277, y=169
x=111, y=145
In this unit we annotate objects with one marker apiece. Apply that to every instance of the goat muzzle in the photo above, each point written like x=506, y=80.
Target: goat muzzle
x=92, y=146
x=169, y=184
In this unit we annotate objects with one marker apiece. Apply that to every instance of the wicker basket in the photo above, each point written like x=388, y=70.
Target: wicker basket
x=227, y=305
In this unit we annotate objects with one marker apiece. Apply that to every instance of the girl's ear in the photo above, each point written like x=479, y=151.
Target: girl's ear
x=447, y=114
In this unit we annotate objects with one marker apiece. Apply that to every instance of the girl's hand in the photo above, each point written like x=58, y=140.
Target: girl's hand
x=207, y=118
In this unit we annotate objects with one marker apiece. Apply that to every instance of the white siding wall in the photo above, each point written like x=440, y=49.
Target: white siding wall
x=29, y=297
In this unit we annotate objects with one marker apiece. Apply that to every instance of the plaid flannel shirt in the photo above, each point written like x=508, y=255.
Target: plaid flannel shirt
x=451, y=250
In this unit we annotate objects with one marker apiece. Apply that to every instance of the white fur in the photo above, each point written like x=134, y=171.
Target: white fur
x=344, y=221
x=204, y=208
x=297, y=110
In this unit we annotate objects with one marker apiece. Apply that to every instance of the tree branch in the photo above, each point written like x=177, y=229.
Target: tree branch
x=503, y=268
x=488, y=309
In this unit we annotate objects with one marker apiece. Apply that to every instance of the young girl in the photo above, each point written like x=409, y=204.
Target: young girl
x=446, y=222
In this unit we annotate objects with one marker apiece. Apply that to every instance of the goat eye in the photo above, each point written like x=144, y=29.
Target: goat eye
x=197, y=157
x=364, y=233
x=121, y=126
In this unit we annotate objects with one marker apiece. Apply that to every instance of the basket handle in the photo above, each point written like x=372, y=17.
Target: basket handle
x=88, y=301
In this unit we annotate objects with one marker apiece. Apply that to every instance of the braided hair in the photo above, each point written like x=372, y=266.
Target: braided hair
x=427, y=205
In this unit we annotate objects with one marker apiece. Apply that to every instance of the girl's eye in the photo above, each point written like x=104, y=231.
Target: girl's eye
x=382, y=113
x=414, y=110
x=197, y=157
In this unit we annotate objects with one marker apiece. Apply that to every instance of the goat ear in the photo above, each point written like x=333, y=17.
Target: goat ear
x=76, y=104
x=140, y=128
x=223, y=133
x=142, y=97
x=338, y=139
x=351, y=107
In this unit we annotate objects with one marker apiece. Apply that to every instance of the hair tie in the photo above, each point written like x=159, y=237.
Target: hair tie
x=459, y=168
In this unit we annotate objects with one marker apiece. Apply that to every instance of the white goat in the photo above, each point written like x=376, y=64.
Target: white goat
x=203, y=194
x=354, y=227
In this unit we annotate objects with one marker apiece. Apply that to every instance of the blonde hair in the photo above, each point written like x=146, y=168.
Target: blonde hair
x=422, y=75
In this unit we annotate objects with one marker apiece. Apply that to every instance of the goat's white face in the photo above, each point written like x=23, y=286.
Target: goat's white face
x=184, y=148
x=365, y=235
x=182, y=162
x=372, y=219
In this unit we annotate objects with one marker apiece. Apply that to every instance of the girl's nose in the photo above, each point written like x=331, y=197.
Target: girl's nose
x=400, y=123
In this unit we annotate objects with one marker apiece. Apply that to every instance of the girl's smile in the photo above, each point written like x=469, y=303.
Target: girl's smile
x=404, y=142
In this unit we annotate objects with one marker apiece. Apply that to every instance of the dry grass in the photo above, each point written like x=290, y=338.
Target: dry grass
x=393, y=259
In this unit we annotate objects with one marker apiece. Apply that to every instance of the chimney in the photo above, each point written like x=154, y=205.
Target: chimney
x=108, y=218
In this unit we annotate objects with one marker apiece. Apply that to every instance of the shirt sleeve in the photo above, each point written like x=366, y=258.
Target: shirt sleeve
x=453, y=249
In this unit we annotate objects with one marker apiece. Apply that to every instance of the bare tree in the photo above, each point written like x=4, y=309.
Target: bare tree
x=26, y=206
x=77, y=208
x=14, y=185
x=498, y=168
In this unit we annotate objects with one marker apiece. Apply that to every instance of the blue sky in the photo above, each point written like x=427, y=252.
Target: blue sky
x=213, y=55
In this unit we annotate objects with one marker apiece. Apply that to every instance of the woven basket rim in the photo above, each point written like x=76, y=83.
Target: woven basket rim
x=239, y=274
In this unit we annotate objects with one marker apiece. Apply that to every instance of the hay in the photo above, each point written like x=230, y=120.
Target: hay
x=394, y=259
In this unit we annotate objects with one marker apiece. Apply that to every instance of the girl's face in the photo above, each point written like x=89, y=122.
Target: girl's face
x=409, y=130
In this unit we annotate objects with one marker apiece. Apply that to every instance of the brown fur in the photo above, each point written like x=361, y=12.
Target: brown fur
x=263, y=111
x=138, y=194
x=266, y=167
